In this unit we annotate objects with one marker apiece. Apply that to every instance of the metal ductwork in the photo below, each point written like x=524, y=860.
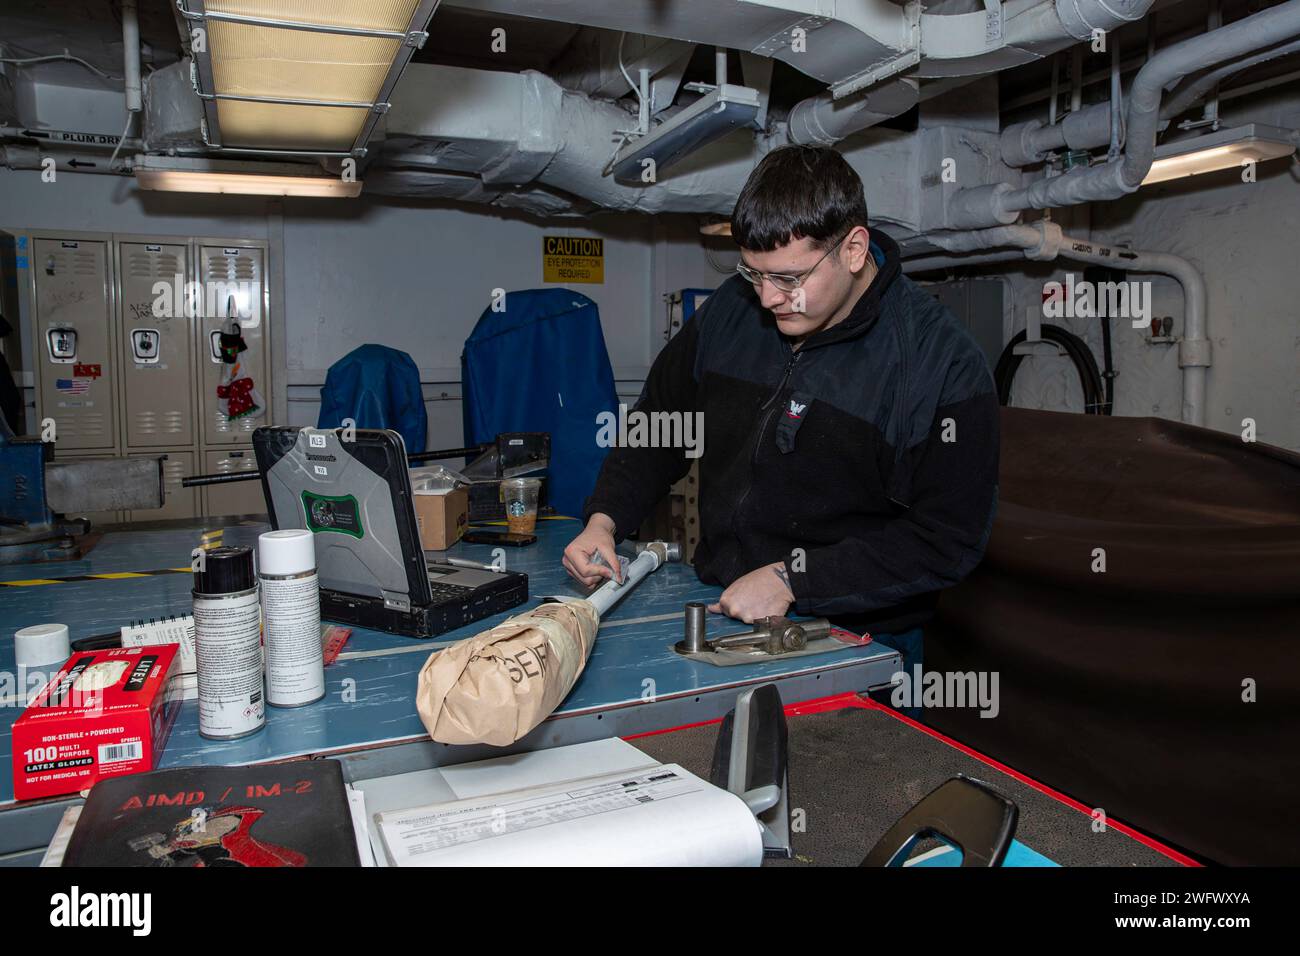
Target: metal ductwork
x=515, y=130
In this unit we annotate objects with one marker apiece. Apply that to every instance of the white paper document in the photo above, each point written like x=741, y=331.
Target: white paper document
x=652, y=816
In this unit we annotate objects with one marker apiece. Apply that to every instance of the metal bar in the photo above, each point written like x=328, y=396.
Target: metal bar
x=1214, y=20
x=263, y=151
x=274, y=24
x=1051, y=109
x=292, y=101
x=202, y=78
x=419, y=20
x=1116, y=101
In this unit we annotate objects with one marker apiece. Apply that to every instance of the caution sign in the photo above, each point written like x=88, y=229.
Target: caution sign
x=573, y=259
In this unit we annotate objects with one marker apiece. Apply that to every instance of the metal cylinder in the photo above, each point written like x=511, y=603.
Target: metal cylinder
x=696, y=612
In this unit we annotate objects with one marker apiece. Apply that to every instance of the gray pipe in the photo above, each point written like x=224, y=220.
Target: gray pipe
x=1192, y=90
x=1024, y=144
x=1171, y=65
x=131, y=55
x=1027, y=23
x=1194, y=349
x=825, y=120
x=612, y=591
x=1040, y=240
x=1115, y=179
x=926, y=263
x=1045, y=241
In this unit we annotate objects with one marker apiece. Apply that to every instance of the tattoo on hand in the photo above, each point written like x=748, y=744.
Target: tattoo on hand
x=780, y=572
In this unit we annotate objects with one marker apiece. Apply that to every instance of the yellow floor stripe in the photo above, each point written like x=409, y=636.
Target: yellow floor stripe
x=119, y=574
x=27, y=584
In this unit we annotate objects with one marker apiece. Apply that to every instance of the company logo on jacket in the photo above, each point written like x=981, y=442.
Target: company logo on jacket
x=796, y=409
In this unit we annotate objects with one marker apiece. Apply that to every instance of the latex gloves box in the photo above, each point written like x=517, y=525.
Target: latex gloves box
x=105, y=713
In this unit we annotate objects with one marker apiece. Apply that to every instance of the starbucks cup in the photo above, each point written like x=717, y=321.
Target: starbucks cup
x=520, y=498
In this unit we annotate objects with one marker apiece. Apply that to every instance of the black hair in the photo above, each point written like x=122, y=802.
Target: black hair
x=798, y=192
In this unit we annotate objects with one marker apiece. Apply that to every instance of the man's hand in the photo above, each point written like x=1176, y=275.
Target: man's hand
x=598, y=536
x=761, y=593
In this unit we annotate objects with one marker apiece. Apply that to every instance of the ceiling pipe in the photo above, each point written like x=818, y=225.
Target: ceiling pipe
x=1027, y=143
x=131, y=55
x=1194, y=89
x=824, y=120
x=935, y=263
x=987, y=205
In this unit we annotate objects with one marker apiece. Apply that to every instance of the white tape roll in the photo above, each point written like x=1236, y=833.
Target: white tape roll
x=41, y=645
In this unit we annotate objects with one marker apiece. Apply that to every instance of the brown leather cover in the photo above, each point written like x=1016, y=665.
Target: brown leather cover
x=1126, y=688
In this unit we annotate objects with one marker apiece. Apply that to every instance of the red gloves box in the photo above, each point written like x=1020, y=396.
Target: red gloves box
x=104, y=714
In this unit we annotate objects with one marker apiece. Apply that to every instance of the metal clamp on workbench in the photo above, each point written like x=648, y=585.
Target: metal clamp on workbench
x=770, y=637
x=751, y=759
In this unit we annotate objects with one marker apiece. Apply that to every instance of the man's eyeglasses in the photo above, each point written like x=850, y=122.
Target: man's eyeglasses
x=780, y=281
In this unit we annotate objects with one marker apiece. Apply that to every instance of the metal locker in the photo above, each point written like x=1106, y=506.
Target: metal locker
x=233, y=282
x=179, y=502
x=73, y=342
x=237, y=498
x=155, y=342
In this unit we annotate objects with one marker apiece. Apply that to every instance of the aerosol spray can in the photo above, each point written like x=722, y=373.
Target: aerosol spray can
x=295, y=667
x=228, y=645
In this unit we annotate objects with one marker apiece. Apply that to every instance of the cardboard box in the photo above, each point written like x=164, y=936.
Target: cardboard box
x=104, y=714
x=443, y=519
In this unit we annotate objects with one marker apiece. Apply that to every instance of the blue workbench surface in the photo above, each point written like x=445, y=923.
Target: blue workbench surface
x=370, y=690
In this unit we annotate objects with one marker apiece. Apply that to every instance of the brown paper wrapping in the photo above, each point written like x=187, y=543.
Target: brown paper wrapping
x=495, y=687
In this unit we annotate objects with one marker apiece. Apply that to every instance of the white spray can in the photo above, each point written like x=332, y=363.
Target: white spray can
x=228, y=645
x=295, y=666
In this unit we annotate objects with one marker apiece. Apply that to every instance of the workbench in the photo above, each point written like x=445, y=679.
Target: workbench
x=634, y=682
x=855, y=766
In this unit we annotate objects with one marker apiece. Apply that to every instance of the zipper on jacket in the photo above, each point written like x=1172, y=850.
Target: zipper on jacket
x=899, y=402
x=766, y=408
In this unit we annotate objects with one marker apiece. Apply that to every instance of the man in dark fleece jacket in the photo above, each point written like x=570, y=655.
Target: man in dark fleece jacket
x=850, y=422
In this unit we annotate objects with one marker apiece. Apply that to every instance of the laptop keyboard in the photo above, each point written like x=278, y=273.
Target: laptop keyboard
x=443, y=592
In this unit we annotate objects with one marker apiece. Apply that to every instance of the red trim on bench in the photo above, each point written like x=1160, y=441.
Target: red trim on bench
x=840, y=701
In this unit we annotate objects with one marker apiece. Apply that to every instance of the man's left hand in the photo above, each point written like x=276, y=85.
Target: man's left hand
x=761, y=593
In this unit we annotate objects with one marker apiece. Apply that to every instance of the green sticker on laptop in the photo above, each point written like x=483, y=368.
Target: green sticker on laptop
x=330, y=513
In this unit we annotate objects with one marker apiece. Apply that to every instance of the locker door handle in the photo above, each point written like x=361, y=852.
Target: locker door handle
x=62, y=344
x=145, y=346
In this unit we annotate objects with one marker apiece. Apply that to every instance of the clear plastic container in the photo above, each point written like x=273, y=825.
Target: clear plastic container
x=520, y=498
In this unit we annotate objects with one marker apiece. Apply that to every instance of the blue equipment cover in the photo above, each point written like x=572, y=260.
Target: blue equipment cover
x=541, y=365
x=376, y=387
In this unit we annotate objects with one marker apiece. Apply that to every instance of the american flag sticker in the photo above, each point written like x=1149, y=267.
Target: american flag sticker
x=72, y=386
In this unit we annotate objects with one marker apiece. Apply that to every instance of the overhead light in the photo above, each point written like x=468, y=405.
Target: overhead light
x=721, y=228
x=171, y=174
x=299, y=76
x=713, y=115
x=1224, y=149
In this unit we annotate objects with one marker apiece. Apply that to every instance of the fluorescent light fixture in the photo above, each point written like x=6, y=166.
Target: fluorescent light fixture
x=713, y=115
x=721, y=228
x=171, y=174
x=1224, y=149
x=300, y=76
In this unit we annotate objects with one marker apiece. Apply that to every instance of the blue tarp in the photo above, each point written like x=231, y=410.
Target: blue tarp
x=376, y=387
x=541, y=365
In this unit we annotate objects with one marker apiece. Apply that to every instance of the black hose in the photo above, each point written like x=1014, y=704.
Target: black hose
x=1094, y=401
x=1096, y=274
